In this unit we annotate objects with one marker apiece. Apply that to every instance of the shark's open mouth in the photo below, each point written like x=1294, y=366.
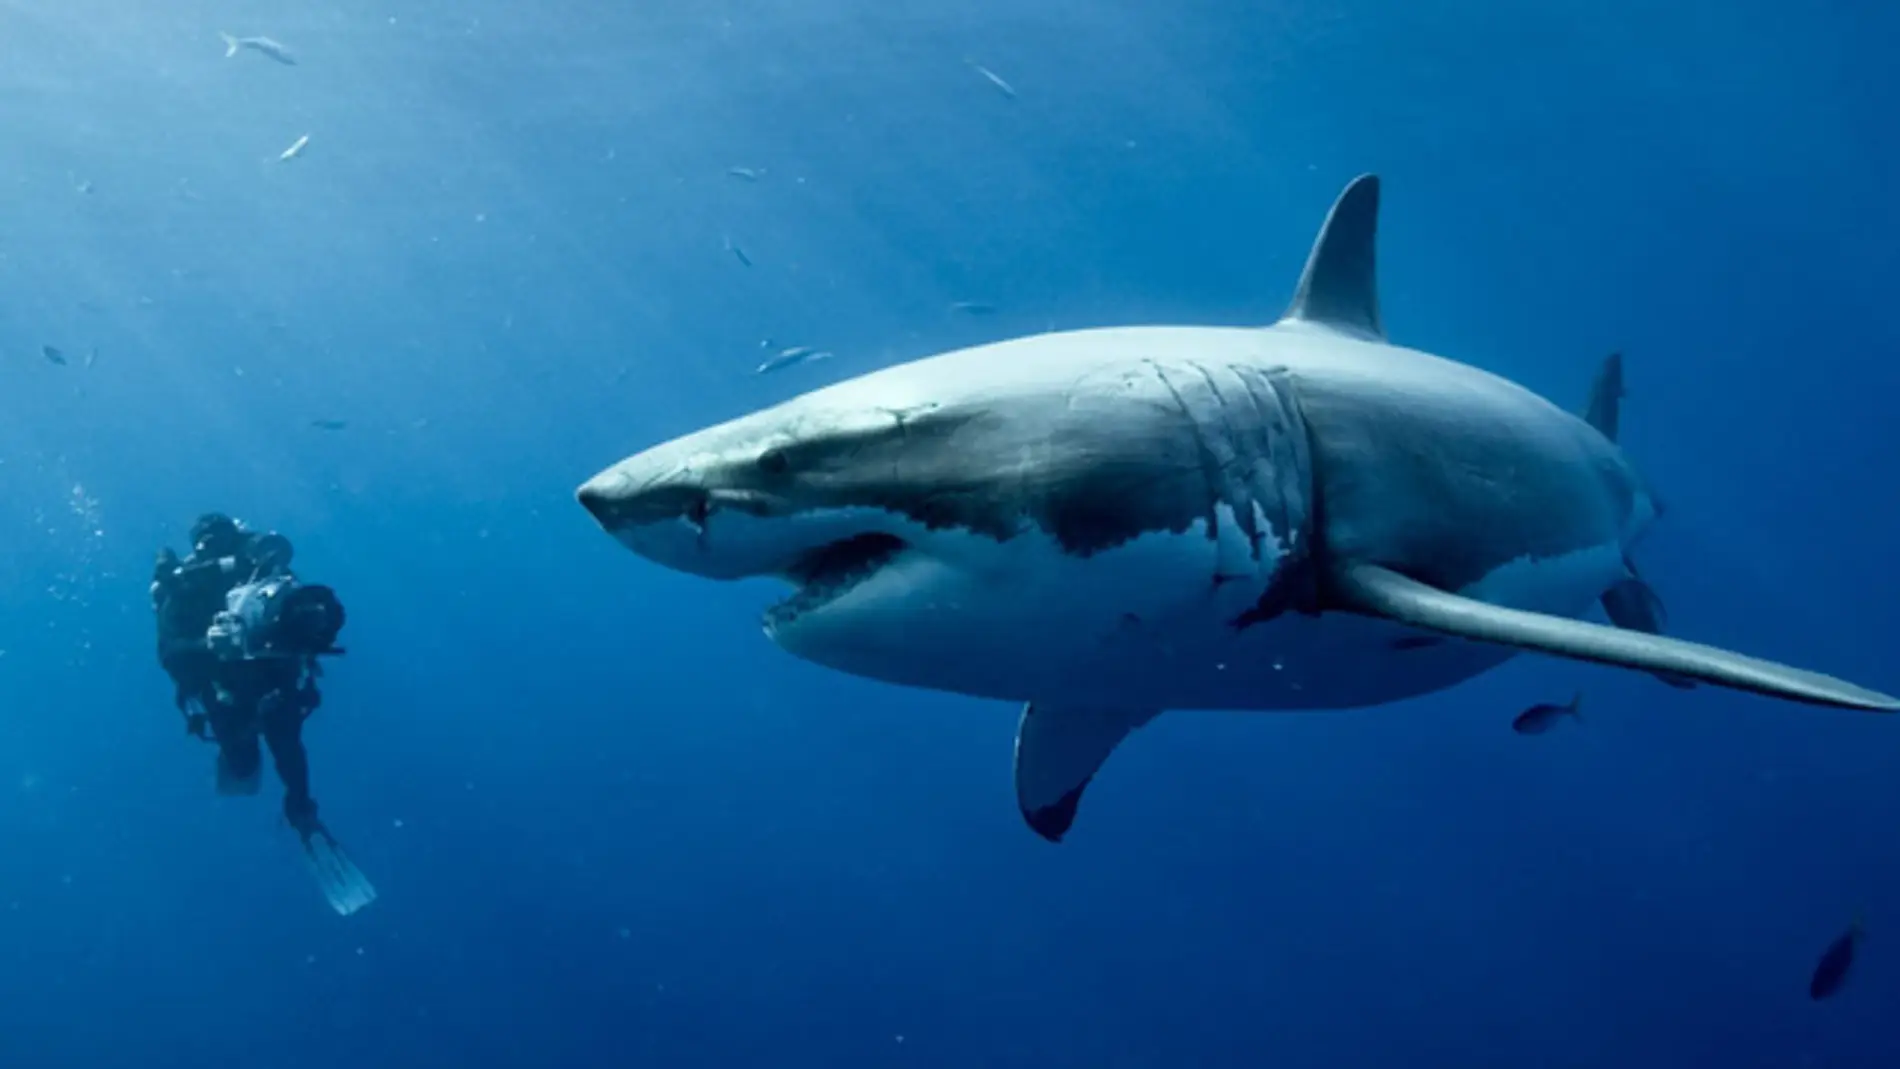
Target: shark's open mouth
x=827, y=573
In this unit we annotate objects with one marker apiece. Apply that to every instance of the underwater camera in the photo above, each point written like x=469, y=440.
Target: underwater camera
x=277, y=617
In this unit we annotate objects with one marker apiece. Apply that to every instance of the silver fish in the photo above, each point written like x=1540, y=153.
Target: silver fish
x=263, y=45
x=797, y=354
x=750, y=174
x=994, y=79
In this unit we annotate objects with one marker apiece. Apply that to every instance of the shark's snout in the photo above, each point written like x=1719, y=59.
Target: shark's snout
x=694, y=517
x=598, y=500
x=660, y=513
x=620, y=501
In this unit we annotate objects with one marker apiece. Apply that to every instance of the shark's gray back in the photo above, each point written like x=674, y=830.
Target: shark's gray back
x=1432, y=467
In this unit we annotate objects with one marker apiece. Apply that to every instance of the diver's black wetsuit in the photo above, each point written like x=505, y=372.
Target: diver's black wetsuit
x=237, y=700
x=269, y=698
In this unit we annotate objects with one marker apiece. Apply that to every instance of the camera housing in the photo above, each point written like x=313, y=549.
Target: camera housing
x=277, y=617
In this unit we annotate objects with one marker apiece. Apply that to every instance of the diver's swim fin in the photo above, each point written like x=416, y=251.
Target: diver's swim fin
x=1375, y=591
x=342, y=883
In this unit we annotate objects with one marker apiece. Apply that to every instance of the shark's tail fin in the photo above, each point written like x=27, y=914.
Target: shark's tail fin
x=230, y=45
x=1606, y=397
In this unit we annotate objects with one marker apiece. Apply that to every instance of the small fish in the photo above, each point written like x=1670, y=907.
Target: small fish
x=262, y=45
x=750, y=174
x=1541, y=718
x=53, y=355
x=1831, y=971
x=974, y=308
x=296, y=148
x=738, y=252
x=797, y=354
x=994, y=79
x=92, y=356
x=328, y=424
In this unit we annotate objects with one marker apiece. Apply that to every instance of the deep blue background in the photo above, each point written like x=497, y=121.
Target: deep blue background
x=612, y=825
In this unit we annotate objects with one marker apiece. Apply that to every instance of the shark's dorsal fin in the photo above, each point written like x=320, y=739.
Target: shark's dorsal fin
x=1340, y=286
x=1606, y=396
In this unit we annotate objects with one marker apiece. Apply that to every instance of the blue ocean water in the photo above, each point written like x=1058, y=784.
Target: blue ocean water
x=612, y=825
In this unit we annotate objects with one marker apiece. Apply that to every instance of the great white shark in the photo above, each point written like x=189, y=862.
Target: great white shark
x=1104, y=524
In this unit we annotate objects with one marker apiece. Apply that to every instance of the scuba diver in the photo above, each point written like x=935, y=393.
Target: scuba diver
x=240, y=637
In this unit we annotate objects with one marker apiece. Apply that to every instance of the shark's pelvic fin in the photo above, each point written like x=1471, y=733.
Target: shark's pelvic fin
x=1059, y=748
x=1376, y=591
x=1606, y=397
x=1340, y=286
x=1633, y=606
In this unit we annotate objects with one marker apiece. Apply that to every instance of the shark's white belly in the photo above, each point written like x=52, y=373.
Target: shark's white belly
x=1145, y=625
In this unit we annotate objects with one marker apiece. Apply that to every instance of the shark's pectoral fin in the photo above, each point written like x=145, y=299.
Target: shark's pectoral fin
x=1377, y=591
x=1059, y=748
x=1633, y=606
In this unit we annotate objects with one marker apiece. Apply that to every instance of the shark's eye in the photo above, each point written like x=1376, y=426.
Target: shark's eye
x=774, y=462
